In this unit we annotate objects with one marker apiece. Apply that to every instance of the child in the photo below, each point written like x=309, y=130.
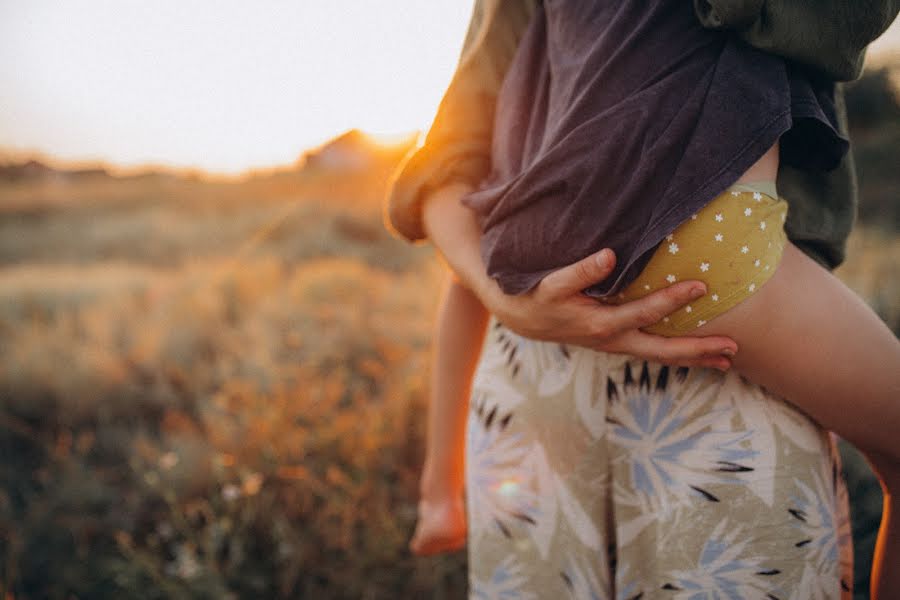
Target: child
x=755, y=304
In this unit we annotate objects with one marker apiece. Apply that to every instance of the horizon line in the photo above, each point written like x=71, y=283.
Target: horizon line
x=13, y=155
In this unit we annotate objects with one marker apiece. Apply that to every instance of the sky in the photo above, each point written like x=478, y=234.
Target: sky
x=221, y=85
x=224, y=85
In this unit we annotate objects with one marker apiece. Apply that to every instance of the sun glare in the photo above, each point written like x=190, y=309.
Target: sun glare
x=391, y=139
x=220, y=86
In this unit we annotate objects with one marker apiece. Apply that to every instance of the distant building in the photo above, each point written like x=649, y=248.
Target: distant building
x=350, y=151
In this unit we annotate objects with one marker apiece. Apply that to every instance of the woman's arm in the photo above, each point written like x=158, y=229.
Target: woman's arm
x=557, y=310
x=828, y=35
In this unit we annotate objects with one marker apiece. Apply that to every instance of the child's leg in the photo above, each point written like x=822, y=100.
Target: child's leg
x=807, y=337
x=459, y=334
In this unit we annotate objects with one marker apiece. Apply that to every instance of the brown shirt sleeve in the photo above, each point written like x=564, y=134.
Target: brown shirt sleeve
x=458, y=144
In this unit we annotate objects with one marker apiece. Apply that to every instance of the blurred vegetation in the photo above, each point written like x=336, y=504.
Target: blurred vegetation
x=217, y=389
x=873, y=109
x=212, y=390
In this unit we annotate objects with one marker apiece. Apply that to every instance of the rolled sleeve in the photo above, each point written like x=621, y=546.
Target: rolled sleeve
x=457, y=147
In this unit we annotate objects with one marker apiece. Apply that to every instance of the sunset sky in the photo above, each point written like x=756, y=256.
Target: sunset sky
x=221, y=85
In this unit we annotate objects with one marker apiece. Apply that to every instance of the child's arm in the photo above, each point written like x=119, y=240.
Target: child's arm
x=461, y=324
x=807, y=337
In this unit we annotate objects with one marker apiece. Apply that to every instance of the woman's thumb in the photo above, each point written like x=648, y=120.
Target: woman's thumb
x=582, y=274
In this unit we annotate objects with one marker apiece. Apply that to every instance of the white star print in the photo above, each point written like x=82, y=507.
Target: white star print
x=744, y=249
x=752, y=287
x=719, y=217
x=756, y=264
x=701, y=323
x=762, y=225
x=693, y=217
x=670, y=237
x=646, y=287
x=767, y=268
x=718, y=237
x=757, y=196
x=673, y=248
x=665, y=319
x=748, y=211
x=670, y=278
x=704, y=267
x=735, y=193
x=715, y=297
x=688, y=309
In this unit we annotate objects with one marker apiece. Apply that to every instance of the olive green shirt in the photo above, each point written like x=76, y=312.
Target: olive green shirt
x=827, y=35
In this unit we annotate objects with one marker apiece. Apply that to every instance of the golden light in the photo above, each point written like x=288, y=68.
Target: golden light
x=508, y=487
x=222, y=86
x=391, y=138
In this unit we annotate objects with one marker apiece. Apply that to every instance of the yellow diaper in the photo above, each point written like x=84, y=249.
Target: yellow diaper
x=733, y=245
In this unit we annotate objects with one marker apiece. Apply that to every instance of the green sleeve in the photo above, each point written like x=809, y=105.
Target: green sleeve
x=828, y=35
x=822, y=204
x=457, y=146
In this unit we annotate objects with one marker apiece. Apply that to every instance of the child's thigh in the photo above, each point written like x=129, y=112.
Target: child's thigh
x=807, y=337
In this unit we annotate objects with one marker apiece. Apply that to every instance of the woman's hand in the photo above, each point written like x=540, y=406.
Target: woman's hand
x=557, y=310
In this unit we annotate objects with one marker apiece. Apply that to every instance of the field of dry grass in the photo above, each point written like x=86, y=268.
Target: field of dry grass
x=217, y=389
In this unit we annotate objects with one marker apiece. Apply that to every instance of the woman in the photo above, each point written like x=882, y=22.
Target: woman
x=569, y=485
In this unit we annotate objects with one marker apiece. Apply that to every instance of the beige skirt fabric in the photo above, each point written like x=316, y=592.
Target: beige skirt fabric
x=596, y=476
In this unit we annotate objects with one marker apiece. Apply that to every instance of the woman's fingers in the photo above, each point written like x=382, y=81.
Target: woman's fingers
x=571, y=279
x=652, y=308
x=714, y=351
x=721, y=363
x=559, y=311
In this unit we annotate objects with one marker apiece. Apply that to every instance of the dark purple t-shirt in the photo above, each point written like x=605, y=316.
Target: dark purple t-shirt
x=619, y=120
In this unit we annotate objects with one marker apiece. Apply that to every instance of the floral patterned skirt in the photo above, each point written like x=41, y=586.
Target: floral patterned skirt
x=592, y=475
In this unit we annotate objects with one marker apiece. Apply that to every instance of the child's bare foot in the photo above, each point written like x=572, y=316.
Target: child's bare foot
x=441, y=527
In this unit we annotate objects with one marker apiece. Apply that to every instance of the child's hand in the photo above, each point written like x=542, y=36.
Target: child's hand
x=441, y=526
